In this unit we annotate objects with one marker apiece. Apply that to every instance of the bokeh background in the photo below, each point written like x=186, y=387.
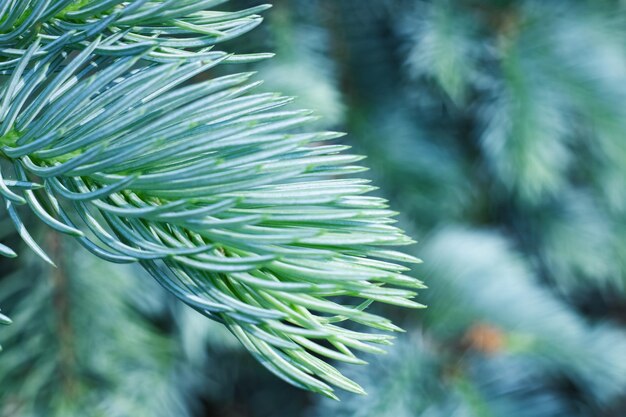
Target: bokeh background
x=495, y=127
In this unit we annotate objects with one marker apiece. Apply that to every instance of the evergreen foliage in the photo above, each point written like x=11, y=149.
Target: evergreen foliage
x=214, y=191
x=495, y=127
x=78, y=350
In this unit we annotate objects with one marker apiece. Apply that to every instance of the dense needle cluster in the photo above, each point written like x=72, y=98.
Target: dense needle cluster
x=112, y=131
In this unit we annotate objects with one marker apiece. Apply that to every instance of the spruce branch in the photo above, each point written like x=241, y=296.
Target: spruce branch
x=177, y=29
x=212, y=188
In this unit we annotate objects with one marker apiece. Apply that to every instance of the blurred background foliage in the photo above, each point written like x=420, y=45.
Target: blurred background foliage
x=495, y=127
